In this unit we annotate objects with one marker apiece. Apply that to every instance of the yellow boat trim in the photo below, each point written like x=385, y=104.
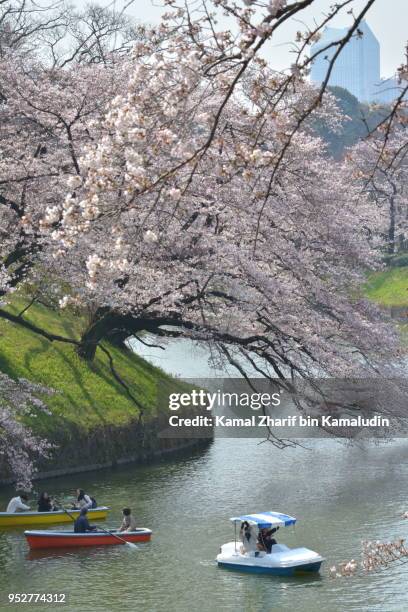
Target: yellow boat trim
x=12, y=519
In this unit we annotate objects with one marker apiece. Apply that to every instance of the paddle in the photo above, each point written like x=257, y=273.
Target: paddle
x=130, y=544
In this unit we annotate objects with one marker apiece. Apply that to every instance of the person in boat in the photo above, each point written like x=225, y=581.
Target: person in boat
x=81, y=524
x=128, y=522
x=265, y=539
x=83, y=500
x=45, y=503
x=247, y=538
x=16, y=504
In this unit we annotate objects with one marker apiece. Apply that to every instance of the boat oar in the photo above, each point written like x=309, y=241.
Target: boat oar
x=130, y=544
x=65, y=510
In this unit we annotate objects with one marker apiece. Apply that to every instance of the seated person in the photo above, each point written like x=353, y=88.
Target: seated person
x=81, y=524
x=247, y=538
x=83, y=500
x=16, y=504
x=45, y=503
x=128, y=522
x=265, y=539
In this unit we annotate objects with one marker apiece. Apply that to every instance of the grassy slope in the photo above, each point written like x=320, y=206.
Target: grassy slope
x=389, y=287
x=88, y=394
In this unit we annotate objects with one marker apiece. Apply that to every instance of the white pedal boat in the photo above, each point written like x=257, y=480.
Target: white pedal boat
x=281, y=561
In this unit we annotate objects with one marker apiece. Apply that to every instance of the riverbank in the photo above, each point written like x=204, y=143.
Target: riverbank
x=389, y=287
x=93, y=421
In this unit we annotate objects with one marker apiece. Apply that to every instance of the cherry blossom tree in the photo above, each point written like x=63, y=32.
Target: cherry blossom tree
x=381, y=168
x=376, y=556
x=207, y=210
x=19, y=447
x=197, y=75
x=57, y=73
x=178, y=188
x=56, y=69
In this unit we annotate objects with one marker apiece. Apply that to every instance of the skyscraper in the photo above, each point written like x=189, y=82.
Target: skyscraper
x=358, y=66
x=388, y=90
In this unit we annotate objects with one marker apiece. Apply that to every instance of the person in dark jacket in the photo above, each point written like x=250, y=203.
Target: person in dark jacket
x=81, y=524
x=265, y=539
x=45, y=503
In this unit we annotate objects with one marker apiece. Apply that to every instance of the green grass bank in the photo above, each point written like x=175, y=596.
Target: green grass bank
x=93, y=421
x=389, y=287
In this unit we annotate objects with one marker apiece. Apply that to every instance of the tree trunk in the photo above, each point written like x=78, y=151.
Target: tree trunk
x=97, y=330
x=118, y=337
x=108, y=326
x=87, y=350
x=116, y=328
x=391, y=227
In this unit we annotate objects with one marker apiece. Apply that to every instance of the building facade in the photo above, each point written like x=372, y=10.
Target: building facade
x=388, y=90
x=358, y=66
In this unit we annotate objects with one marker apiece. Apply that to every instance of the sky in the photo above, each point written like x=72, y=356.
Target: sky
x=388, y=20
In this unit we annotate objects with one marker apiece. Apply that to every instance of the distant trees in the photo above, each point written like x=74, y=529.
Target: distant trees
x=379, y=159
x=382, y=170
x=360, y=120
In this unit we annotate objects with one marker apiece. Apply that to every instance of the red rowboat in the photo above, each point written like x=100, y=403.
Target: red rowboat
x=64, y=539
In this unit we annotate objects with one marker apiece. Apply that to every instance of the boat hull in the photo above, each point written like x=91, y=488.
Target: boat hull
x=69, y=539
x=22, y=519
x=273, y=571
x=282, y=561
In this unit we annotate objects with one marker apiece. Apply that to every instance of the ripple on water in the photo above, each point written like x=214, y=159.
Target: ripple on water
x=340, y=495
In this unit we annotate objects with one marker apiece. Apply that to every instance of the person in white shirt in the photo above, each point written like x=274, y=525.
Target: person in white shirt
x=248, y=539
x=83, y=500
x=128, y=522
x=17, y=504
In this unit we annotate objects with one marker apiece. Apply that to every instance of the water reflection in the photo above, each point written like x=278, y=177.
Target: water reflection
x=339, y=494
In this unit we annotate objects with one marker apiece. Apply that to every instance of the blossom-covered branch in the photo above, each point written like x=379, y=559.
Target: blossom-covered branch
x=19, y=447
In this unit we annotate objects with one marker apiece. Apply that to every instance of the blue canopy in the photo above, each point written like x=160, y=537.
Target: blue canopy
x=266, y=519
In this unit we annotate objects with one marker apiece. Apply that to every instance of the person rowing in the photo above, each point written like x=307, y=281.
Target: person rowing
x=81, y=524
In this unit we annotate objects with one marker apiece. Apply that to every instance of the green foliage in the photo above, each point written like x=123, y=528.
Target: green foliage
x=88, y=395
x=397, y=261
x=389, y=287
